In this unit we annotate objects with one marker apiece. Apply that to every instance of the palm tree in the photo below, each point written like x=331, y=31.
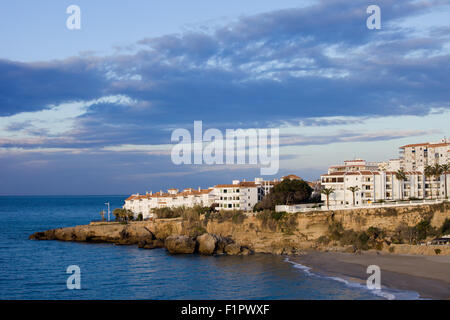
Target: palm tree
x=327, y=192
x=445, y=169
x=428, y=171
x=437, y=172
x=353, y=190
x=401, y=176
x=434, y=172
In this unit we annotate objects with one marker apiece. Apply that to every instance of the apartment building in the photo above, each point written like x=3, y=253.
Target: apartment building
x=379, y=184
x=240, y=195
x=143, y=204
x=417, y=156
x=243, y=195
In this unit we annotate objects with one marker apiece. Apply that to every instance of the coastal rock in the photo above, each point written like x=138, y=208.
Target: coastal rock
x=45, y=235
x=151, y=244
x=245, y=251
x=179, y=244
x=233, y=249
x=207, y=244
x=222, y=242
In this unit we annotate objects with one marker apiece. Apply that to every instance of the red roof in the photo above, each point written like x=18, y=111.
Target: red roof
x=414, y=145
x=240, y=184
x=426, y=144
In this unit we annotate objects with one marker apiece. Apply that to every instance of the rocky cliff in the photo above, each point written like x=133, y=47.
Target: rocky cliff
x=289, y=235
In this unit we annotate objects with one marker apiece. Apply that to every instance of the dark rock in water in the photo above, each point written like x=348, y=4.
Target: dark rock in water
x=246, y=251
x=222, y=242
x=151, y=244
x=232, y=249
x=45, y=235
x=179, y=244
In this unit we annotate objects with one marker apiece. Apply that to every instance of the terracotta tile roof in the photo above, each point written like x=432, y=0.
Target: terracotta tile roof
x=240, y=184
x=170, y=195
x=426, y=144
x=414, y=145
x=432, y=145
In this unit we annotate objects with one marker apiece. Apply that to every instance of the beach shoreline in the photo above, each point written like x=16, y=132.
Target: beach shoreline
x=429, y=276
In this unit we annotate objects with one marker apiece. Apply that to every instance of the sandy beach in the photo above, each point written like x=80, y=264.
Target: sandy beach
x=427, y=275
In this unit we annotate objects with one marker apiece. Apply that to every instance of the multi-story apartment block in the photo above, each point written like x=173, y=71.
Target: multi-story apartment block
x=375, y=185
x=173, y=198
x=418, y=156
x=240, y=195
x=243, y=195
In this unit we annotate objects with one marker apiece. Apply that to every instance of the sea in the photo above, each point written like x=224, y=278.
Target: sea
x=32, y=269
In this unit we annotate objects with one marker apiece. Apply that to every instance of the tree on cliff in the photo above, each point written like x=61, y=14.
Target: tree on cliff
x=327, y=192
x=286, y=192
x=123, y=214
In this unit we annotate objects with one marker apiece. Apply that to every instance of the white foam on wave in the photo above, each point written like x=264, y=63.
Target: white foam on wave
x=389, y=294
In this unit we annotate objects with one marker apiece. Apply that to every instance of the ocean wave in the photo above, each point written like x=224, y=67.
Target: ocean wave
x=386, y=293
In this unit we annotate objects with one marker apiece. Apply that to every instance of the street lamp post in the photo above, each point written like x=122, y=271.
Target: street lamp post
x=107, y=203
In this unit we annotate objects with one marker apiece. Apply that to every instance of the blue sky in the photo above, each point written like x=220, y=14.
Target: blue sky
x=91, y=111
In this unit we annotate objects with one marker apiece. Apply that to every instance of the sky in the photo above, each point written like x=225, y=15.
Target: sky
x=91, y=111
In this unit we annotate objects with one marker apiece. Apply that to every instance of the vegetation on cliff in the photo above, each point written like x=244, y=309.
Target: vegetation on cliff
x=193, y=213
x=375, y=238
x=286, y=192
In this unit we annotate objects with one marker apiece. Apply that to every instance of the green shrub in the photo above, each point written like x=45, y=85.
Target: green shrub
x=424, y=230
x=166, y=213
x=323, y=240
x=335, y=230
x=379, y=246
x=235, y=216
x=278, y=221
x=437, y=251
x=391, y=249
x=445, y=229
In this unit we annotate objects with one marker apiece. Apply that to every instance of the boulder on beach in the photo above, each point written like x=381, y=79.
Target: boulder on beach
x=179, y=244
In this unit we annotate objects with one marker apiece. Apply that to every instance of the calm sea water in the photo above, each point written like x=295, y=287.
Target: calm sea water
x=37, y=269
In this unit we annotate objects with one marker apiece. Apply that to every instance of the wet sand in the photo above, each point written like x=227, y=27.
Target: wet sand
x=427, y=275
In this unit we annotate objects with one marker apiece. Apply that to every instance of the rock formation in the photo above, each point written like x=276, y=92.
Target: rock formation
x=253, y=234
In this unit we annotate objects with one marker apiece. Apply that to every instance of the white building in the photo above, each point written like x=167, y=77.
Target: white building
x=236, y=196
x=375, y=185
x=242, y=195
x=417, y=156
x=173, y=198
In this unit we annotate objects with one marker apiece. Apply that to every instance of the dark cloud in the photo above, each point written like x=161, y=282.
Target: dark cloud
x=293, y=65
x=34, y=86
